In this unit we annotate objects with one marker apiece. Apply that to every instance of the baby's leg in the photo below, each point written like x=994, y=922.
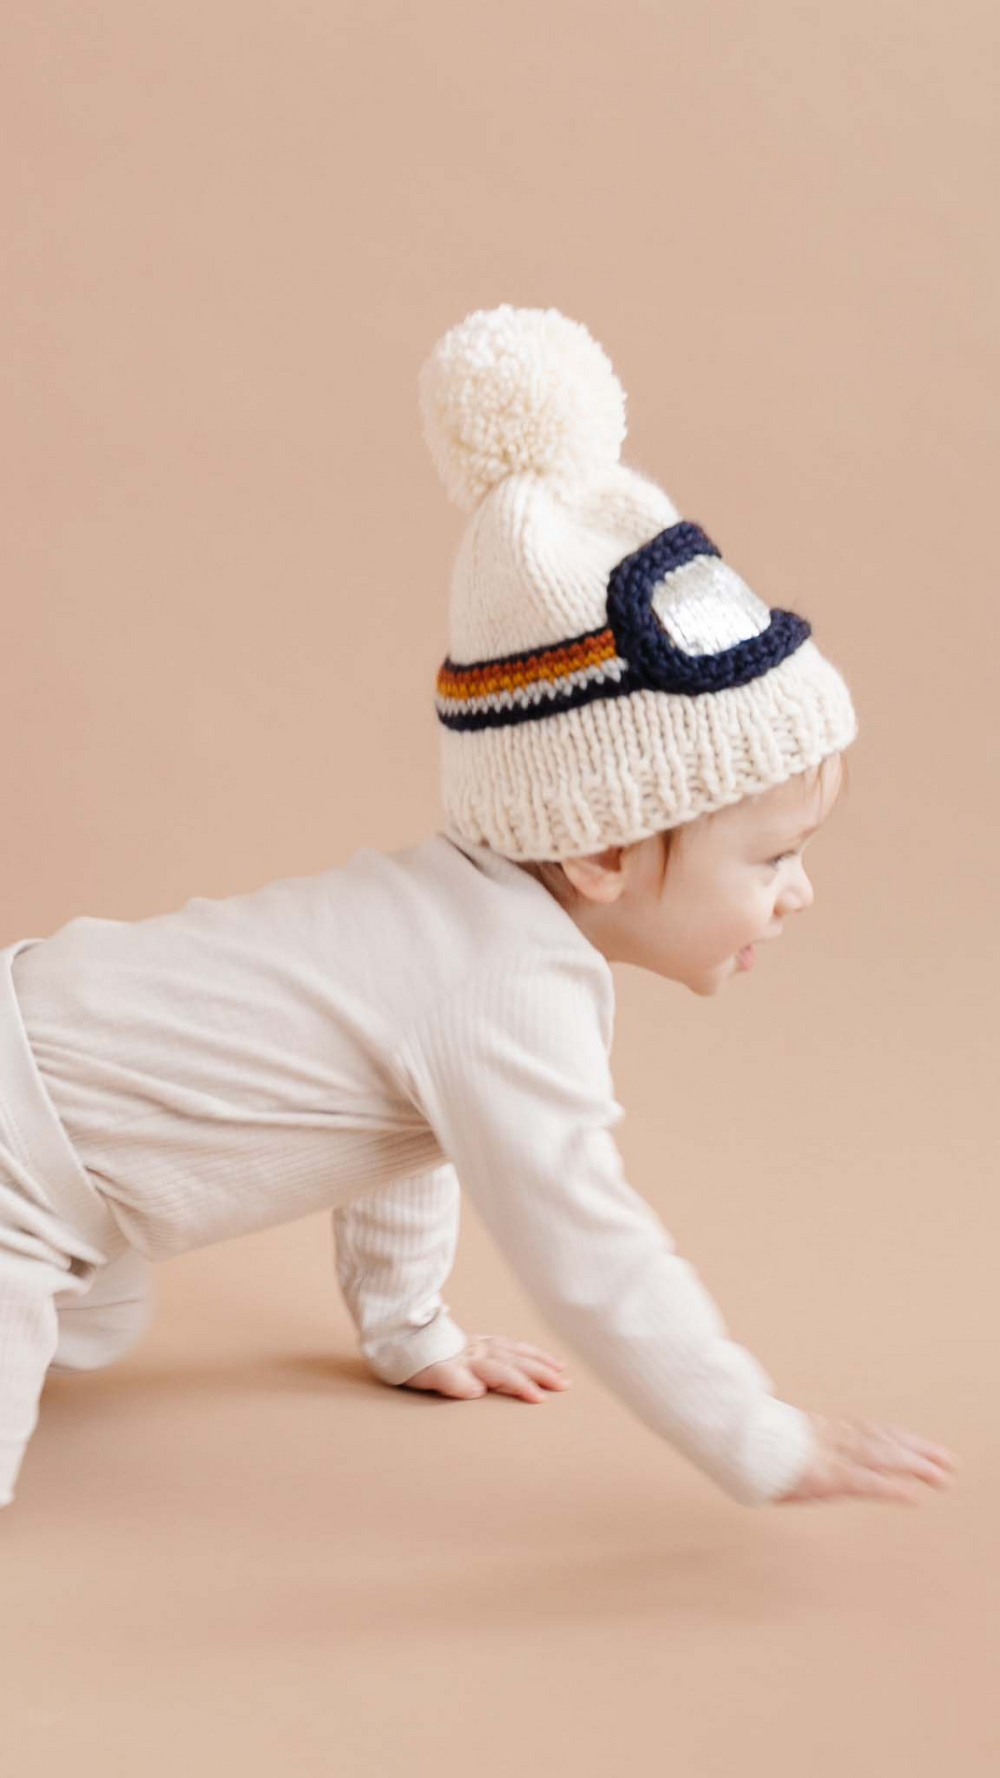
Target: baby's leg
x=99, y=1324
x=30, y=1275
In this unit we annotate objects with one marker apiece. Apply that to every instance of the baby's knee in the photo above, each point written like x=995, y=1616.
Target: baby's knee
x=91, y=1343
x=93, y=1334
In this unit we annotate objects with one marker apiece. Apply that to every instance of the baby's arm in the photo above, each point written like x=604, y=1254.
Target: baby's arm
x=513, y=1075
x=394, y=1248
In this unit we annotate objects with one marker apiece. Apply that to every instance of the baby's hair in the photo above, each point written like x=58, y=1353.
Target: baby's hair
x=549, y=872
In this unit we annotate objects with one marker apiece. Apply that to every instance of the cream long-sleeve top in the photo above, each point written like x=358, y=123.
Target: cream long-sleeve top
x=368, y=1040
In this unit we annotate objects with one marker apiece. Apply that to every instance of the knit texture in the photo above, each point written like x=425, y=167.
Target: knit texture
x=608, y=674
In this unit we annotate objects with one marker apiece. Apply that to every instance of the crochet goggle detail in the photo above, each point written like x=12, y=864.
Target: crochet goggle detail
x=633, y=652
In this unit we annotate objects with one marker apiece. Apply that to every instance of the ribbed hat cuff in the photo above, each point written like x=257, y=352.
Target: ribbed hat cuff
x=617, y=770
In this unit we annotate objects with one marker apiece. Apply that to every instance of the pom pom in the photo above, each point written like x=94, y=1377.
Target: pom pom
x=510, y=390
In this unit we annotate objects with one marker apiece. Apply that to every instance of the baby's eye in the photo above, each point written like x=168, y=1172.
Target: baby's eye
x=781, y=857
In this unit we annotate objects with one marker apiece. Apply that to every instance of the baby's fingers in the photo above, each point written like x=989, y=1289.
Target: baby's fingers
x=936, y=1454
x=543, y=1373
x=890, y=1448
x=507, y=1379
x=523, y=1350
x=871, y=1484
x=874, y=1461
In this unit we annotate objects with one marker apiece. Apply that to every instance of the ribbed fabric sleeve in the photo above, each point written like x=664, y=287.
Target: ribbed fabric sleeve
x=512, y=1072
x=394, y=1248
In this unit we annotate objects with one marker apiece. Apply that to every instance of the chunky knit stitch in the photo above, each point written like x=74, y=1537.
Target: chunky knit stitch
x=608, y=675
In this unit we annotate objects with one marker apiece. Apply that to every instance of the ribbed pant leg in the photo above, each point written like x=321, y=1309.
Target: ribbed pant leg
x=99, y=1324
x=31, y=1271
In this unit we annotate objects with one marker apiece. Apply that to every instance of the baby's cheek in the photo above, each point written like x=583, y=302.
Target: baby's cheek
x=736, y=930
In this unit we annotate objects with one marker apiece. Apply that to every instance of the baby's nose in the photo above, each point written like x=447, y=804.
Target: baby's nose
x=798, y=895
x=804, y=896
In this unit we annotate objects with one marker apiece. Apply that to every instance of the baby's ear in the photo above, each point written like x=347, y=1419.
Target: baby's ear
x=599, y=875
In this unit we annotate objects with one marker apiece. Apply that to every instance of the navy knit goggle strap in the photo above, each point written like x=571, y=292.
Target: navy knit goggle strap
x=655, y=662
x=632, y=652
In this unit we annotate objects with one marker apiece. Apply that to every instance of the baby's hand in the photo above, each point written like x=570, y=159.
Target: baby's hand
x=489, y=1361
x=864, y=1458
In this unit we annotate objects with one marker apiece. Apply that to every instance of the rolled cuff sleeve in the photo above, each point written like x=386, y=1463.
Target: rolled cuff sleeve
x=399, y=1358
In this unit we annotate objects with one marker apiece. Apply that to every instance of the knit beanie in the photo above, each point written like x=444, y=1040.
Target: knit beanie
x=608, y=675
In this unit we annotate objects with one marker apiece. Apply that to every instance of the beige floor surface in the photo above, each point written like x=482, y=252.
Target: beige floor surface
x=234, y=1552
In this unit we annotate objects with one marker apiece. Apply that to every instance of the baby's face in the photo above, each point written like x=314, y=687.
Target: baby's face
x=731, y=880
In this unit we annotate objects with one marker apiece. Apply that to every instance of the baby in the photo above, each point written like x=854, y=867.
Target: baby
x=635, y=751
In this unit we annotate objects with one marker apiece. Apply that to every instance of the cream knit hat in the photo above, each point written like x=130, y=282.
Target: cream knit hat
x=608, y=674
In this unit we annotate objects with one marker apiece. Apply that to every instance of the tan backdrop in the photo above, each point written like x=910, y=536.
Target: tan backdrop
x=233, y=232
